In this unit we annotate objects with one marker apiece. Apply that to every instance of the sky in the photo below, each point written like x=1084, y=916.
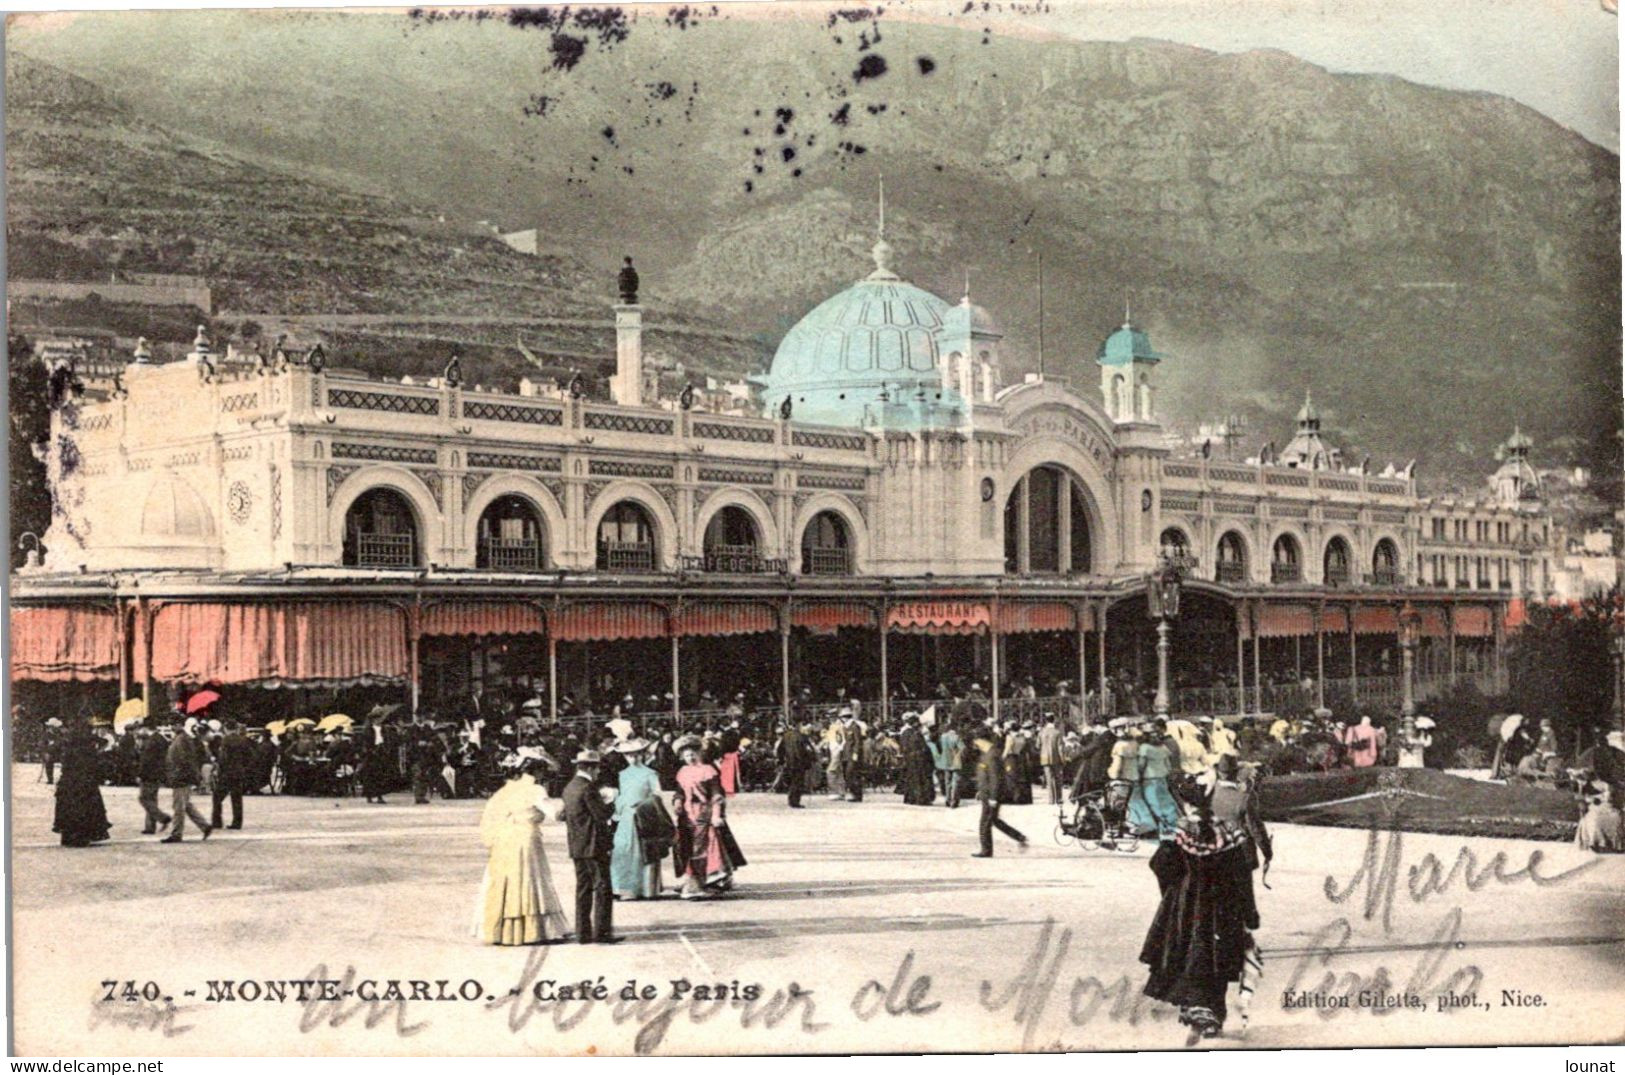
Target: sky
x=1560, y=57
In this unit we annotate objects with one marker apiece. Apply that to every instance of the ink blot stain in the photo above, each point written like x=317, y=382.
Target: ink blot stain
x=788, y=153
x=842, y=115
x=927, y=64
x=871, y=66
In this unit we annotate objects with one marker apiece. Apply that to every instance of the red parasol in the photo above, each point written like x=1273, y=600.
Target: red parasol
x=201, y=701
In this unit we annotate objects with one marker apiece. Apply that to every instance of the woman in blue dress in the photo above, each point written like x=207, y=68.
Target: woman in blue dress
x=634, y=873
x=1152, y=808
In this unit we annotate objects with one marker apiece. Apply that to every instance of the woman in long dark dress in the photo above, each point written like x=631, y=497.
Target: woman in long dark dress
x=1201, y=939
x=81, y=817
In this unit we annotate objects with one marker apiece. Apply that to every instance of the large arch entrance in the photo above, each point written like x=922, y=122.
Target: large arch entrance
x=1046, y=524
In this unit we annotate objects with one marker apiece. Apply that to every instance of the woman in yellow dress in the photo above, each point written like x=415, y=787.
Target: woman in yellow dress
x=517, y=903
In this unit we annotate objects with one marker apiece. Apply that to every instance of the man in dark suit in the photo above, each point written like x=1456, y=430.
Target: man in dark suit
x=795, y=754
x=150, y=774
x=234, y=774
x=586, y=819
x=183, y=769
x=991, y=789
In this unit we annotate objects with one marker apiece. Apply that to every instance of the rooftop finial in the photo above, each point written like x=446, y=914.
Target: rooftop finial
x=881, y=251
x=1128, y=322
x=967, y=285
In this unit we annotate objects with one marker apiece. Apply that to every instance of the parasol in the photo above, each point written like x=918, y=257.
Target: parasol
x=928, y=719
x=1425, y=723
x=301, y=723
x=334, y=722
x=621, y=727
x=276, y=727
x=128, y=712
x=531, y=703
x=1510, y=725
x=201, y=701
x=383, y=712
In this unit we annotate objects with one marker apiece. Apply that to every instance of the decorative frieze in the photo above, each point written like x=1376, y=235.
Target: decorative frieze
x=514, y=461
x=730, y=431
x=383, y=453
x=1235, y=507
x=1387, y=516
x=850, y=483
x=1300, y=481
x=1189, y=504
x=840, y=442
x=240, y=401
x=1341, y=515
x=1289, y=511
x=736, y=476
x=1347, y=485
x=612, y=422
x=1181, y=470
x=1231, y=474
x=388, y=402
x=487, y=411
x=621, y=468
x=1387, y=488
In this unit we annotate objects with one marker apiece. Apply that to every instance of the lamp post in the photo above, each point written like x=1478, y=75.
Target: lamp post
x=1619, y=676
x=1162, y=602
x=1410, y=625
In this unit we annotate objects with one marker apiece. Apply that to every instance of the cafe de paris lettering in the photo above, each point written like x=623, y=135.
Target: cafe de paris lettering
x=1067, y=428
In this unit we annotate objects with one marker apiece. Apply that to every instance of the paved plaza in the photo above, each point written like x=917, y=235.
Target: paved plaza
x=1028, y=950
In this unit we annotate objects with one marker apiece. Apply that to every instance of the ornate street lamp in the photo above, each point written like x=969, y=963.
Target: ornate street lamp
x=1162, y=602
x=1410, y=628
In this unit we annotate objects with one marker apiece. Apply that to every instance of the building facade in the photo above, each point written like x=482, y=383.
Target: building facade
x=894, y=485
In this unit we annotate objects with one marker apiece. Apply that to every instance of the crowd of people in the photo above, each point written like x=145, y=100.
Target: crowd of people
x=636, y=792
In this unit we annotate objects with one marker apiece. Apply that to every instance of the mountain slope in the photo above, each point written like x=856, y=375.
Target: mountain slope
x=1437, y=265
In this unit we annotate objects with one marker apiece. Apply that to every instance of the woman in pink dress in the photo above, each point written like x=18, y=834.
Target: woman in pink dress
x=706, y=854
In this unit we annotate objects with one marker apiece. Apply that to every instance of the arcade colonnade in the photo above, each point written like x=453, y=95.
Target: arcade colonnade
x=378, y=637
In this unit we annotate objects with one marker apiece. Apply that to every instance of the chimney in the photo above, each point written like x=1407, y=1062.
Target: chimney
x=626, y=387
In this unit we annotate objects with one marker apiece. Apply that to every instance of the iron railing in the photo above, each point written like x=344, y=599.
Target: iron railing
x=626, y=556
x=384, y=550
x=511, y=554
x=1283, y=572
x=826, y=561
x=1231, y=571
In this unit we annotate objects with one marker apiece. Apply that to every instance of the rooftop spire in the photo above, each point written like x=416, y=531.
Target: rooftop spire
x=881, y=251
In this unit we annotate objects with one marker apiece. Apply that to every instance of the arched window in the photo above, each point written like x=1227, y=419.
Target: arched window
x=1232, y=564
x=626, y=538
x=1046, y=525
x=1286, y=563
x=1336, y=562
x=826, y=546
x=1119, y=400
x=1174, y=542
x=1385, y=563
x=510, y=536
x=380, y=531
x=731, y=541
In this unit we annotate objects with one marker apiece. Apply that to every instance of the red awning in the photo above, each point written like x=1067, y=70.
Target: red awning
x=1284, y=621
x=58, y=644
x=1517, y=614
x=1334, y=618
x=1433, y=623
x=325, y=642
x=1473, y=621
x=1045, y=616
x=725, y=618
x=829, y=616
x=939, y=617
x=606, y=621
x=1376, y=620
x=483, y=618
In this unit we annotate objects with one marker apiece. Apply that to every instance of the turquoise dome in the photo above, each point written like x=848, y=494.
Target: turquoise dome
x=1126, y=345
x=880, y=334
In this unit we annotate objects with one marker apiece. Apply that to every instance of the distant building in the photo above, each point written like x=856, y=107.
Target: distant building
x=526, y=242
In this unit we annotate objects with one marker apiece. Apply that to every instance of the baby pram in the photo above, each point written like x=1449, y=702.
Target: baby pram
x=1099, y=820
